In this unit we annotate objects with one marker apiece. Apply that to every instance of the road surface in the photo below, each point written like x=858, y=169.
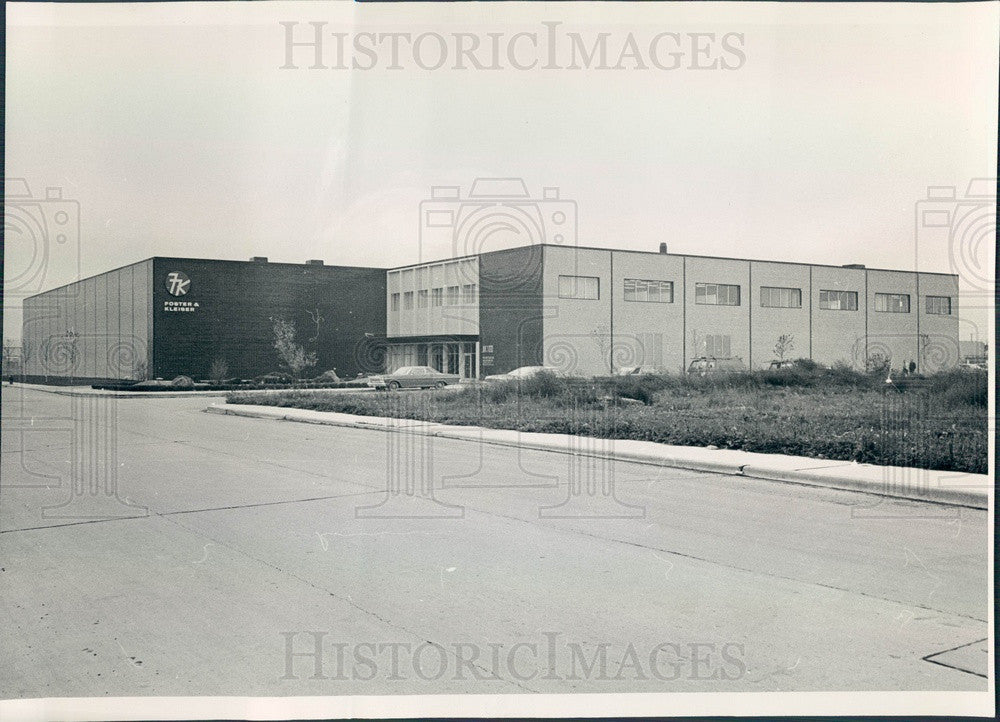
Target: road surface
x=243, y=556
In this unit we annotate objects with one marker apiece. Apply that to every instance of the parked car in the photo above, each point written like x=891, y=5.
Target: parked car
x=273, y=378
x=412, y=377
x=786, y=364
x=638, y=370
x=524, y=372
x=705, y=365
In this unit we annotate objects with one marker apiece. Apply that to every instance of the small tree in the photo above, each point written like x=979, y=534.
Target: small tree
x=786, y=342
x=219, y=370
x=72, y=352
x=877, y=363
x=291, y=354
x=13, y=357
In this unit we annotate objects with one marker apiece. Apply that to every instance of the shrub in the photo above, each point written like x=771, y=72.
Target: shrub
x=542, y=385
x=806, y=365
x=962, y=388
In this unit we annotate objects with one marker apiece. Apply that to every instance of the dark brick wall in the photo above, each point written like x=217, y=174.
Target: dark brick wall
x=236, y=302
x=510, y=308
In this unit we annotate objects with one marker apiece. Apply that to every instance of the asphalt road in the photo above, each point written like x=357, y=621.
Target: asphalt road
x=230, y=542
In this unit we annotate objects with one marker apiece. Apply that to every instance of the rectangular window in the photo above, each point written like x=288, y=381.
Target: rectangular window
x=586, y=288
x=422, y=300
x=716, y=294
x=437, y=296
x=892, y=302
x=939, y=305
x=838, y=300
x=638, y=289
x=395, y=302
x=408, y=301
x=452, y=295
x=778, y=297
x=717, y=345
x=469, y=293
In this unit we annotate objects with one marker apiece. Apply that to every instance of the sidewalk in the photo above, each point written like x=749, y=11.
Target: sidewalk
x=944, y=487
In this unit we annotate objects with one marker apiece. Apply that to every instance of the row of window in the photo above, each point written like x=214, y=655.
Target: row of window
x=464, y=295
x=723, y=294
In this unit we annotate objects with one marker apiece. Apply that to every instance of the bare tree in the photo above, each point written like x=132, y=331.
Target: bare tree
x=786, y=342
x=13, y=358
x=290, y=353
x=219, y=370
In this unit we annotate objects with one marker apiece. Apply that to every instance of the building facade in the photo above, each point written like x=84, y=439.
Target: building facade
x=164, y=317
x=586, y=311
x=592, y=311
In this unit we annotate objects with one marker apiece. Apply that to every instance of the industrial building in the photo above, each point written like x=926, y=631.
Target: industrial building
x=164, y=317
x=583, y=310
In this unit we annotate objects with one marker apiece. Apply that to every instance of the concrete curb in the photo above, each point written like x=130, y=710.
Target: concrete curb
x=942, y=487
x=81, y=391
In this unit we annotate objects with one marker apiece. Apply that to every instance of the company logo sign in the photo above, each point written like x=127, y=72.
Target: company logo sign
x=178, y=283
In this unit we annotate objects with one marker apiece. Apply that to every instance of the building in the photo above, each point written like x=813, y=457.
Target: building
x=973, y=352
x=163, y=317
x=594, y=310
x=584, y=310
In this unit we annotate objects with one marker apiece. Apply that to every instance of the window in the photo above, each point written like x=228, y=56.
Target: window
x=586, y=288
x=838, y=300
x=408, y=300
x=778, y=297
x=717, y=345
x=395, y=302
x=422, y=299
x=716, y=294
x=892, y=302
x=469, y=293
x=452, y=295
x=637, y=289
x=437, y=296
x=939, y=305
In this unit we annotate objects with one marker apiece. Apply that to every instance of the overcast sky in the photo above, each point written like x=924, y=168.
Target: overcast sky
x=177, y=131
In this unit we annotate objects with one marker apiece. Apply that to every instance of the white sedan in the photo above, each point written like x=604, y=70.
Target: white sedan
x=524, y=372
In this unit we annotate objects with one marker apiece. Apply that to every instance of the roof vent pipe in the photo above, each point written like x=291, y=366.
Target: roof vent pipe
x=663, y=248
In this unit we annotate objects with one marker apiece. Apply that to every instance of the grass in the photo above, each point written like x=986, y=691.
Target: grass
x=933, y=422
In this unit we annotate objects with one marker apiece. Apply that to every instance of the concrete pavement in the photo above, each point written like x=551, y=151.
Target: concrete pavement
x=946, y=487
x=231, y=546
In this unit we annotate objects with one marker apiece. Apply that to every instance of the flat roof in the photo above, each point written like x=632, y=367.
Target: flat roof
x=487, y=253
x=849, y=267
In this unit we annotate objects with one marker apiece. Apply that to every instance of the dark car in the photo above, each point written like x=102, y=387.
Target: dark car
x=706, y=365
x=273, y=378
x=412, y=377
